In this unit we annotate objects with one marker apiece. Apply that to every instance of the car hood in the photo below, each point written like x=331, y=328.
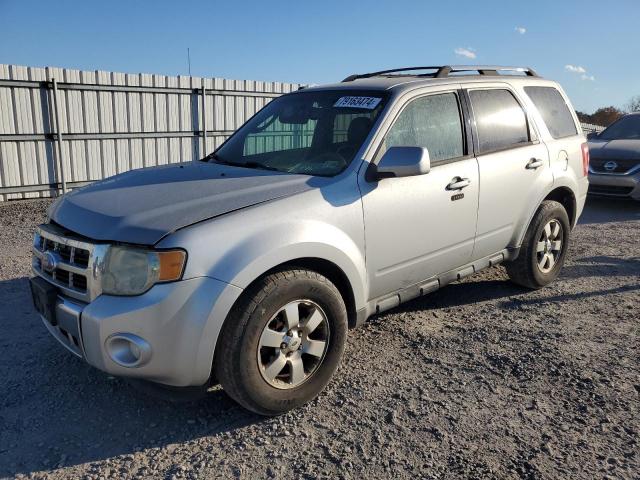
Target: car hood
x=614, y=149
x=142, y=206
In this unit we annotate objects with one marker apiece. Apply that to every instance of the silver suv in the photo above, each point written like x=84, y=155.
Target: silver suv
x=330, y=205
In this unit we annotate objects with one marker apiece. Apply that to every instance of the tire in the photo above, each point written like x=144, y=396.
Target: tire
x=246, y=356
x=530, y=269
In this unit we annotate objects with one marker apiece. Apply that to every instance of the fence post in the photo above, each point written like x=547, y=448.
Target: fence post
x=204, y=119
x=56, y=109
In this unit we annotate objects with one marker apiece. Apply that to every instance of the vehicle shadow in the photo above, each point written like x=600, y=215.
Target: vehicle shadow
x=479, y=288
x=606, y=210
x=460, y=294
x=602, y=266
x=56, y=410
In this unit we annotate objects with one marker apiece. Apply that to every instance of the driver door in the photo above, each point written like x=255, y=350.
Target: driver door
x=417, y=227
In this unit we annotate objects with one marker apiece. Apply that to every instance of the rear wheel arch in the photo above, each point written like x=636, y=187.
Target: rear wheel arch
x=544, y=247
x=565, y=197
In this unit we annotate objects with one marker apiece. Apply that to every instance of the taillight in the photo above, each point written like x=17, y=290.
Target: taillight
x=585, y=159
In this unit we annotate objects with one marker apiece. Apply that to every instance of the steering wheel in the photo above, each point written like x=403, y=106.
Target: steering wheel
x=326, y=157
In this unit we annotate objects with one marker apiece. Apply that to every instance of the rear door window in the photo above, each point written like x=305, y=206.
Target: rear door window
x=500, y=120
x=554, y=110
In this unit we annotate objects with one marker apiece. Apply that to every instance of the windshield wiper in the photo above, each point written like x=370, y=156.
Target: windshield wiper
x=210, y=156
x=259, y=165
x=251, y=164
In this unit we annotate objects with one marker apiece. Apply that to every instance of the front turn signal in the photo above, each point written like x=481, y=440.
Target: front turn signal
x=171, y=265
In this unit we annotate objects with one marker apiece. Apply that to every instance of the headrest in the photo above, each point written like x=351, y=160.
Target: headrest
x=358, y=130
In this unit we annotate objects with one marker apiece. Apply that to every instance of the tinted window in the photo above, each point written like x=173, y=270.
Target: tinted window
x=431, y=122
x=627, y=128
x=554, y=111
x=500, y=120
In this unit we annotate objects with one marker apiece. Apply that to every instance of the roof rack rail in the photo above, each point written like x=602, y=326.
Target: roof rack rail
x=444, y=71
x=351, y=78
x=484, y=70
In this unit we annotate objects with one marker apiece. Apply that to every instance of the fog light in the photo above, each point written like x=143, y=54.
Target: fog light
x=128, y=350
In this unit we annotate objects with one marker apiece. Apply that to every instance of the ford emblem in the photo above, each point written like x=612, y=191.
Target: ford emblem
x=49, y=261
x=610, y=166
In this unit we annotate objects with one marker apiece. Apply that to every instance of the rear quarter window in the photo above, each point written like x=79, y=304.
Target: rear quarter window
x=554, y=111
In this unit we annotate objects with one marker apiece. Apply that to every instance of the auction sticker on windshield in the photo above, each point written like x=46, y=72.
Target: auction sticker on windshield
x=358, y=102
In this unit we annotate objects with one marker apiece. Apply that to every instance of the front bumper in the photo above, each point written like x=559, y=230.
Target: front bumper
x=614, y=185
x=177, y=322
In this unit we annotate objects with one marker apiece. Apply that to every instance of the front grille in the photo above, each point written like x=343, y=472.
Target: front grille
x=69, y=254
x=79, y=282
x=609, y=190
x=63, y=276
x=82, y=257
x=622, y=166
x=72, y=269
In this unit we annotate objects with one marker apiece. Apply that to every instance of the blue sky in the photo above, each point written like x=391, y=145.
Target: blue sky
x=323, y=41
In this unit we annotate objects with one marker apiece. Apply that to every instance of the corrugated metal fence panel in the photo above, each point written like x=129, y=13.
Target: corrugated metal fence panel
x=24, y=111
x=112, y=122
x=591, y=128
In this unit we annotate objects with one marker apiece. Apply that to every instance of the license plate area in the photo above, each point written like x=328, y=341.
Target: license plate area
x=44, y=296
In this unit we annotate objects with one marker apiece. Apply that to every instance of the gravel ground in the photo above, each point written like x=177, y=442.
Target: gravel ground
x=479, y=380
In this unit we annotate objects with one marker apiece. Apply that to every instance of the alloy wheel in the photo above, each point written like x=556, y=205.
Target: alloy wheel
x=293, y=344
x=549, y=246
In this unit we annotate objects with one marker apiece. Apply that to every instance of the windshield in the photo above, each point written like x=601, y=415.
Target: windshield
x=627, y=128
x=313, y=133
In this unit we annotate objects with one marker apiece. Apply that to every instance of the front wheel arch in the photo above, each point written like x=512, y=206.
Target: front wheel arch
x=237, y=371
x=324, y=267
x=328, y=269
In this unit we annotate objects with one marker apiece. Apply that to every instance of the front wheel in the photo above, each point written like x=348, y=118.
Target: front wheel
x=544, y=248
x=282, y=342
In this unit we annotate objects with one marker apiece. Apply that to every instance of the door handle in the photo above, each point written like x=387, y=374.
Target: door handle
x=534, y=163
x=458, y=183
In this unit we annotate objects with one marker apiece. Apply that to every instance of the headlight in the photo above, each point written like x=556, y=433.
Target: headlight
x=133, y=271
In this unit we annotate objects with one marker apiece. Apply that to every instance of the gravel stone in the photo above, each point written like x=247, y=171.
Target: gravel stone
x=481, y=379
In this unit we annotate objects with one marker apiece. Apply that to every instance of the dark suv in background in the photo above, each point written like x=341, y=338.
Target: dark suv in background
x=614, y=168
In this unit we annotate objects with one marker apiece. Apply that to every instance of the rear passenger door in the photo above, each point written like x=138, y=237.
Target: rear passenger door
x=513, y=165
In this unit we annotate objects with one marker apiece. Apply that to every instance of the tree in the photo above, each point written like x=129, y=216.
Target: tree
x=583, y=117
x=634, y=104
x=606, y=116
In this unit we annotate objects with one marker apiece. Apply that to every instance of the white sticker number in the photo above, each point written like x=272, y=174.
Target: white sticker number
x=358, y=102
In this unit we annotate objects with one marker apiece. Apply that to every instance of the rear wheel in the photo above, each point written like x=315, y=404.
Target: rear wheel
x=544, y=248
x=282, y=342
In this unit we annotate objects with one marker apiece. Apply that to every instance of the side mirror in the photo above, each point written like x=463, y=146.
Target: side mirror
x=403, y=162
x=592, y=135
